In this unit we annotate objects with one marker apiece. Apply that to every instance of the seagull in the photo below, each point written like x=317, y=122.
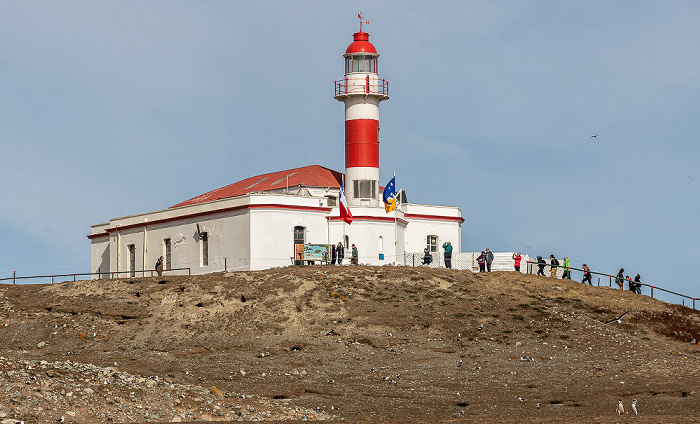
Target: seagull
x=618, y=319
x=594, y=136
x=481, y=327
x=459, y=337
x=60, y=420
x=459, y=364
x=620, y=408
x=527, y=358
x=522, y=399
x=634, y=407
x=539, y=405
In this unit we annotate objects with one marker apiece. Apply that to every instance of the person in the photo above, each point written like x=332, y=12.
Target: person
x=448, y=254
x=620, y=278
x=586, y=275
x=481, y=259
x=489, y=259
x=517, y=258
x=340, y=251
x=427, y=257
x=638, y=284
x=334, y=254
x=540, y=265
x=554, y=264
x=630, y=284
x=567, y=268
x=159, y=266
x=354, y=255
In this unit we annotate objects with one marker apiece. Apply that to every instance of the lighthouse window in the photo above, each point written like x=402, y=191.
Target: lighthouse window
x=365, y=63
x=365, y=189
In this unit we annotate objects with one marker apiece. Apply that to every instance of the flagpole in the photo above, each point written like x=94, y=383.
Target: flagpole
x=396, y=230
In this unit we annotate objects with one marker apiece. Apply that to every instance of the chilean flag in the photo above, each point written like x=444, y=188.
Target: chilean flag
x=345, y=214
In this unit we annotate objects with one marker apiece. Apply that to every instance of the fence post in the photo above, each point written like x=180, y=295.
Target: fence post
x=189, y=271
x=611, y=281
x=598, y=281
x=693, y=303
x=74, y=278
x=225, y=265
x=14, y=277
x=52, y=279
x=99, y=274
x=652, y=292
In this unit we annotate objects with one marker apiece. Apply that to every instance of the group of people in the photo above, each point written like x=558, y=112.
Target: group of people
x=428, y=257
x=484, y=260
x=338, y=254
x=635, y=285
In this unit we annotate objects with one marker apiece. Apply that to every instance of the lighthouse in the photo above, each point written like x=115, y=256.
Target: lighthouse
x=361, y=90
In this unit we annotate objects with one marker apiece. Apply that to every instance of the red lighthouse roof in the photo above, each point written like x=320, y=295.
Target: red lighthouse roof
x=361, y=44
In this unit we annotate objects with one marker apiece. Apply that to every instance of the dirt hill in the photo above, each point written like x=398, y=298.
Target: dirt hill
x=389, y=344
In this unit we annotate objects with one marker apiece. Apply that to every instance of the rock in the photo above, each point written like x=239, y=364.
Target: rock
x=216, y=392
x=50, y=373
x=41, y=345
x=243, y=373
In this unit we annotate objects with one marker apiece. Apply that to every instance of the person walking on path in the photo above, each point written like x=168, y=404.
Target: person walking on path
x=630, y=284
x=341, y=253
x=159, y=266
x=620, y=279
x=334, y=254
x=567, y=268
x=638, y=284
x=489, y=259
x=541, y=263
x=586, y=275
x=517, y=258
x=354, y=255
x=448, y=254
x=482, y=261
x=554, y=263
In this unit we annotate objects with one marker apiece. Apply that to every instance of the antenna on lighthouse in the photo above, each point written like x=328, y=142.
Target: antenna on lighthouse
x=359, y=16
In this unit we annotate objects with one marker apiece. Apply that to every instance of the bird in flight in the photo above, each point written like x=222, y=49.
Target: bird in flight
x=618, y=319
x=594, y=136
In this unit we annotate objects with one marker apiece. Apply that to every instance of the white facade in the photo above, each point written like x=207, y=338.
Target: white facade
x=256, y=231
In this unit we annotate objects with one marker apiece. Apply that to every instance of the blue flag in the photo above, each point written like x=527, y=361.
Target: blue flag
x=390, y=196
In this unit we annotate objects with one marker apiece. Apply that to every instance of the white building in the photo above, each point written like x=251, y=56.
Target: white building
x=255, y=223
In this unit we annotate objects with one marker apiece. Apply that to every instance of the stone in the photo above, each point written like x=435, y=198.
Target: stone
x=41, y=345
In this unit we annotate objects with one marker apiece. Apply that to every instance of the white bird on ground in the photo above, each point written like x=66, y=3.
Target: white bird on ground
x=459, y=364
x=634, y=407
x=60, y=420
x=618, y=319
x=620, y=407
x=459, y=337
x=481, y=327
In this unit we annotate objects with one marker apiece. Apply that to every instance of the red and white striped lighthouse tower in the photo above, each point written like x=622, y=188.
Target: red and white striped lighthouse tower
x=361, y=90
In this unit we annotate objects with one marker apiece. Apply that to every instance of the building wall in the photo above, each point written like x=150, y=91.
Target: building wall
x=256, y=232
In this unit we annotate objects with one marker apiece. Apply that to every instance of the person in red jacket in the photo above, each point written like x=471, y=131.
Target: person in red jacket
x=586, y=275
x=517, y=258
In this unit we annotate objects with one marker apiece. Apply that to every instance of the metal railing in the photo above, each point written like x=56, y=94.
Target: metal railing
x=100, y=274
x=611, y=277
x=368, y=87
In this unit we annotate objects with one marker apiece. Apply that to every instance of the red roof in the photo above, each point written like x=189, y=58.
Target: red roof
x=313, y=176
x=361, y=44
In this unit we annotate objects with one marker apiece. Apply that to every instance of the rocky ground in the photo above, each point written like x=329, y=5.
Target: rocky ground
x=370, y=344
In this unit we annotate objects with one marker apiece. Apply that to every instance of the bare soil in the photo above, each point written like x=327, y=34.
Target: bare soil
x=354, y=344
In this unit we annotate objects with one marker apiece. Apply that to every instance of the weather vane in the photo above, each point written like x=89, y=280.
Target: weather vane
x=359, y=16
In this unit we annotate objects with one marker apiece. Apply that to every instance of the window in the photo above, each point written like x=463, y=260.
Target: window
x=204, y=237
x=381, y=243
x=332, y=200
x=132, y=260
x=361, y=63
x=432, y=243
x=365, y=189
x=167, y=245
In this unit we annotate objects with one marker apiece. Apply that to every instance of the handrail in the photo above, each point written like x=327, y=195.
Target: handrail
x=652, y=287
x=111, y=274
x=381, y=87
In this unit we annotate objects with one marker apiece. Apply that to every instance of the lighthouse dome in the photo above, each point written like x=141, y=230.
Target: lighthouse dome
x=361, y=44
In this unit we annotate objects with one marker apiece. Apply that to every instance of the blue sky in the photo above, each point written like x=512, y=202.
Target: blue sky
x=114, y=108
